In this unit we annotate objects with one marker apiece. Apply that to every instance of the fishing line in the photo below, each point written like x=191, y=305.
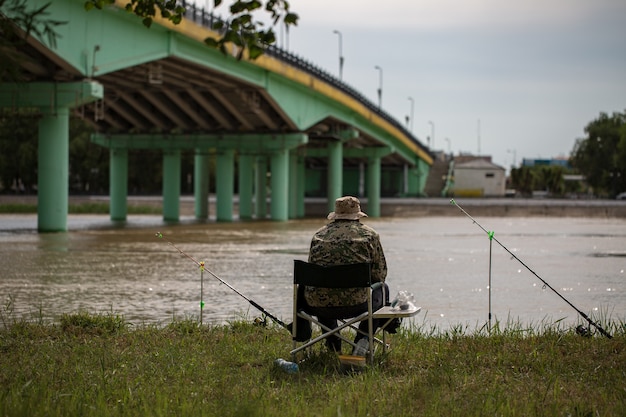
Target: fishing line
x=204, y=268
x=491, y=237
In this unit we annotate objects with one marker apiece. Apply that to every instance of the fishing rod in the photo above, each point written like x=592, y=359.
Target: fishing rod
x=492, y=237
x=203, y=267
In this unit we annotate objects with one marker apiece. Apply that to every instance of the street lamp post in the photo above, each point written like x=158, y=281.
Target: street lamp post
x=412, y=112
x=340, y=54
x=449, y=146
x=380, y=86
x=478, y=137
x=432, y=134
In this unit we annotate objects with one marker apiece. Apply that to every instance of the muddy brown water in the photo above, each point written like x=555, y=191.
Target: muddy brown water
x=101, y=267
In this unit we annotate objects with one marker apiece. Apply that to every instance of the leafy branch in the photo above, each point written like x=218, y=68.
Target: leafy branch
x=32, y=21
x=244, y=32
x=240, y=29
x=17, y=23
x=146, y=9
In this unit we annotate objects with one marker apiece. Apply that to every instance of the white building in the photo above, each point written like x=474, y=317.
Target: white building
x=479, y=178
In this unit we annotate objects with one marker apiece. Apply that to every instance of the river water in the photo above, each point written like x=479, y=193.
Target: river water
x=100, y=267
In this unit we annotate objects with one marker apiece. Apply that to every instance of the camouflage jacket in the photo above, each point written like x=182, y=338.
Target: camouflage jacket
x=345, y=242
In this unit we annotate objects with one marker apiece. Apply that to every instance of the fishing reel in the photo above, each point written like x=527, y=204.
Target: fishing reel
x=260, y=321
x=583, y=331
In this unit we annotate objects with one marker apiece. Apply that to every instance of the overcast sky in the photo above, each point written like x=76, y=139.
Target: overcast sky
x=502, y=78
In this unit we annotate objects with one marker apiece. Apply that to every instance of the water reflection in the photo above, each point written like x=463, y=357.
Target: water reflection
x=100, y=267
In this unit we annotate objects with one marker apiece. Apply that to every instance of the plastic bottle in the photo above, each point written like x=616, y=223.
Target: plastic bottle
x=361, y=347
x=403, y=300
x=289, y=367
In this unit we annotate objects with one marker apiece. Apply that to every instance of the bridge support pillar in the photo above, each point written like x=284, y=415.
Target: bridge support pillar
x=54, y=101
x=373, y=186
x=280, y=185
x=118, y=184
x=201, y=184
x=224, y=184
x=261, y=187
x=417, y=178
x=246, y=185
x=361, y=178
x=53, y=172
x=296, y=186
x=171, y=185
x=335, y=173
x=301, y=178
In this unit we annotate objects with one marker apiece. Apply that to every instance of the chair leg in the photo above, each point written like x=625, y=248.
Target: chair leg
x=382, y=329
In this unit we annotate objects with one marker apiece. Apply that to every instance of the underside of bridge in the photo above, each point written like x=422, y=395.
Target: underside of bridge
x=162, y=88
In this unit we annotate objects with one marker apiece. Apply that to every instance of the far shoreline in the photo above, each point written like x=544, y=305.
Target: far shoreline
x=506, y=207
x=400, y=207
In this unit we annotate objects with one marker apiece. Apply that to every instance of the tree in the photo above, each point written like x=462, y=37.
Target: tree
x=18, y=154
x=601, y=156
x=240, y=29
x=551, y=179
x=18, y=150
x=523, y=180
x=17, y=22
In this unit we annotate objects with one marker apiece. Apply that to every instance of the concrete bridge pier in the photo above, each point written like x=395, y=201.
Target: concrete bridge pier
x=373, y=186
x=54, y=100
x=280, y=185
x=246, y=185
x=171, y=185
x=118, y=184
x=417, y=176
x=373, y=170
x=301, y=186
x=225, y=183
x=261, y=187
x=201, y=184
x=335, y=173
x=297, y=185
x=53, y=170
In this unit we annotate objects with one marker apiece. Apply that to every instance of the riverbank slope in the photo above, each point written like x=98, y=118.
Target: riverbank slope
x=402, y=207
x=101, y=366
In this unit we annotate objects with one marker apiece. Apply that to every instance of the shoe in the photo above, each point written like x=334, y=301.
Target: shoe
x=333, y=344
x=361, y=348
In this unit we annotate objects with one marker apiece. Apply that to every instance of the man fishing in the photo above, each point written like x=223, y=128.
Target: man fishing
x=345, y=240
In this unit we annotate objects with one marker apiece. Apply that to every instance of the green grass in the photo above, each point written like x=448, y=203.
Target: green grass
x=82, y=208
x=18, y=208
x=101, y=365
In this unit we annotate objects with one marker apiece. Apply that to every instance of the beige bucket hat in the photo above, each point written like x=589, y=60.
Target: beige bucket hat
x=347, y=208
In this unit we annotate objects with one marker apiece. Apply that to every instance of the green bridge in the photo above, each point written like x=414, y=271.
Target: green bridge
x=278, y=128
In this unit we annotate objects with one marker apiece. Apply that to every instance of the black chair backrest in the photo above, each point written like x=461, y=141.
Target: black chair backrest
x=339, y=276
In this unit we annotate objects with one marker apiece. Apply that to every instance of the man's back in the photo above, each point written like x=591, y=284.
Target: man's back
x=345, y=242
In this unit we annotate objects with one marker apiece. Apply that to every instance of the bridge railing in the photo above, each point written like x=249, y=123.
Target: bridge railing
x=208, y=19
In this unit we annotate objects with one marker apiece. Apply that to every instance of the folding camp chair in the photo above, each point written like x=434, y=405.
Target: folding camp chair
x=341, y=276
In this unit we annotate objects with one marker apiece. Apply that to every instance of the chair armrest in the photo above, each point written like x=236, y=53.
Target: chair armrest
x=377, y=285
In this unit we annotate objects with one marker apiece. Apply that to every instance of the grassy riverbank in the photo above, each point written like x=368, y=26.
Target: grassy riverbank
x=103, y=366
